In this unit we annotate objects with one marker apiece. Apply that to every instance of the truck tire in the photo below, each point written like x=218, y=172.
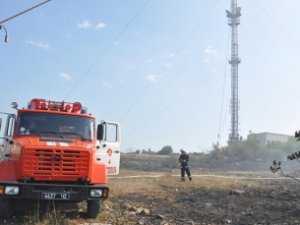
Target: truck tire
x=93, y=208
x=6, y=208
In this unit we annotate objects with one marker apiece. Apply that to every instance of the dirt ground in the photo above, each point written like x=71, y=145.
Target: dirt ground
x=168, y=201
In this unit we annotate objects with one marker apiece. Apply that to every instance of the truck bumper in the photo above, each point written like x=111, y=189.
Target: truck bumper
x=56, y=192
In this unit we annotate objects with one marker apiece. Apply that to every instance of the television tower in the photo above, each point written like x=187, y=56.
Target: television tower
x=234, y=21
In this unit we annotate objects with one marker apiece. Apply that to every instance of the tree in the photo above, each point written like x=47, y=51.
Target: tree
x=138, y=151
x=166, y=150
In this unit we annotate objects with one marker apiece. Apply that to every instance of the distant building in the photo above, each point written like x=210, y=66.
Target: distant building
x=268, y=138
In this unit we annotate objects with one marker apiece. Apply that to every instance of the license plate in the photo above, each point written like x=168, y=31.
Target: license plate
x=55, y=196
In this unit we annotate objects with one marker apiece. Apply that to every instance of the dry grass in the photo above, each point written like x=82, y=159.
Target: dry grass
x=154, y=186
x=174, y=199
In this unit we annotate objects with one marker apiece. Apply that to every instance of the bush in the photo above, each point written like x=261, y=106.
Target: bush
x=166, y=150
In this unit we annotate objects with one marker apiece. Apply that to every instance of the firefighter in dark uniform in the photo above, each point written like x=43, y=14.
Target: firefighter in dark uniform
x=184, y=163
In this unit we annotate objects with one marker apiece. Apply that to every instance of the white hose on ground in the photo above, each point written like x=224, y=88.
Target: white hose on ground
x=208, y=176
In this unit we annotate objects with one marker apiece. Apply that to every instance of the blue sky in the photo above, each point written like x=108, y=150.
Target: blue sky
x=157, y=66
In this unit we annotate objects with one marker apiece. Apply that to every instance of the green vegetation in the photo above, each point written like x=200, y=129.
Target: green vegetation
x=166, y=150
x=245, y=155
x=252, y=151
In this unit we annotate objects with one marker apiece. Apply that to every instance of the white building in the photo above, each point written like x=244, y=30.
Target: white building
x=268, y=138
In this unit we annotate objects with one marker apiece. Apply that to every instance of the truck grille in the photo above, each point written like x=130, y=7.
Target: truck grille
x=55, y=164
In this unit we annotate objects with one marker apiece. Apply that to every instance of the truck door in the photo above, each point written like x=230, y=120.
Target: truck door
x=7, y=122
x=108, y=147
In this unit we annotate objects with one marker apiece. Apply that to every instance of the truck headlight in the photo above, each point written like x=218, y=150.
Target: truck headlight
x=96, y=193
x=11, y=190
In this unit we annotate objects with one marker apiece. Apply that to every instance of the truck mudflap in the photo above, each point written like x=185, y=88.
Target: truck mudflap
x=50, y=191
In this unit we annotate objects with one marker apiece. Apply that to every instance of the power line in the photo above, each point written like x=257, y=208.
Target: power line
x=24, y=11
x=134, y=103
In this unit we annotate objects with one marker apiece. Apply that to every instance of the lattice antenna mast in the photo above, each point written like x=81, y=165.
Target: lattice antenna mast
x=234, y=21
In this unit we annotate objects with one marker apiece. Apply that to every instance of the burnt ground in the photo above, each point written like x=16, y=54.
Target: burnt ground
x=214, y=202
x=168, y=201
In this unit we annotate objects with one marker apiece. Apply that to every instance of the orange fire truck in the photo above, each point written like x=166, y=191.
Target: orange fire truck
x=50, y=152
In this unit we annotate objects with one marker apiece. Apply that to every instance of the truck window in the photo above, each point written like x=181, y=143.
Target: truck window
x=111, y=132
x=10, y=128
x=49, y=124
x=3, y=129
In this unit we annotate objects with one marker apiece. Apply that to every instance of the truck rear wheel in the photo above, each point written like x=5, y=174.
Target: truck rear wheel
x=6, y=208
x=93, y=208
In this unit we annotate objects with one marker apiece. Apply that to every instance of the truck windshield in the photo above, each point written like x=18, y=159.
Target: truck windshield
x=48, y=124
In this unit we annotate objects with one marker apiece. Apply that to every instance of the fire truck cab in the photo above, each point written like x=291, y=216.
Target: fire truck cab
x=54, y=151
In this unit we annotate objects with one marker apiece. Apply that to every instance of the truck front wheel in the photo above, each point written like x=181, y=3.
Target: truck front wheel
x=6, y=208
x=93, y=208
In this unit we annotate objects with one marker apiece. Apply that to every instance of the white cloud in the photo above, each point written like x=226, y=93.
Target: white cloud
x=209, y=50
x=84, y=24
x=171, y=55
x=87, y=24
x=107, y=85
x=66, y=76
x=39, y=44
x=100, y=25
x=152, y=78
x=209, y=54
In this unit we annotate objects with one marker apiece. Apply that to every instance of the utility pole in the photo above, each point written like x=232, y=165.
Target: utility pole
x=24, y=11
x=234, y=21
x=2, y=27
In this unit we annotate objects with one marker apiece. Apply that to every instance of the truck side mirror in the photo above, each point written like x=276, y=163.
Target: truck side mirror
x=100, y=132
